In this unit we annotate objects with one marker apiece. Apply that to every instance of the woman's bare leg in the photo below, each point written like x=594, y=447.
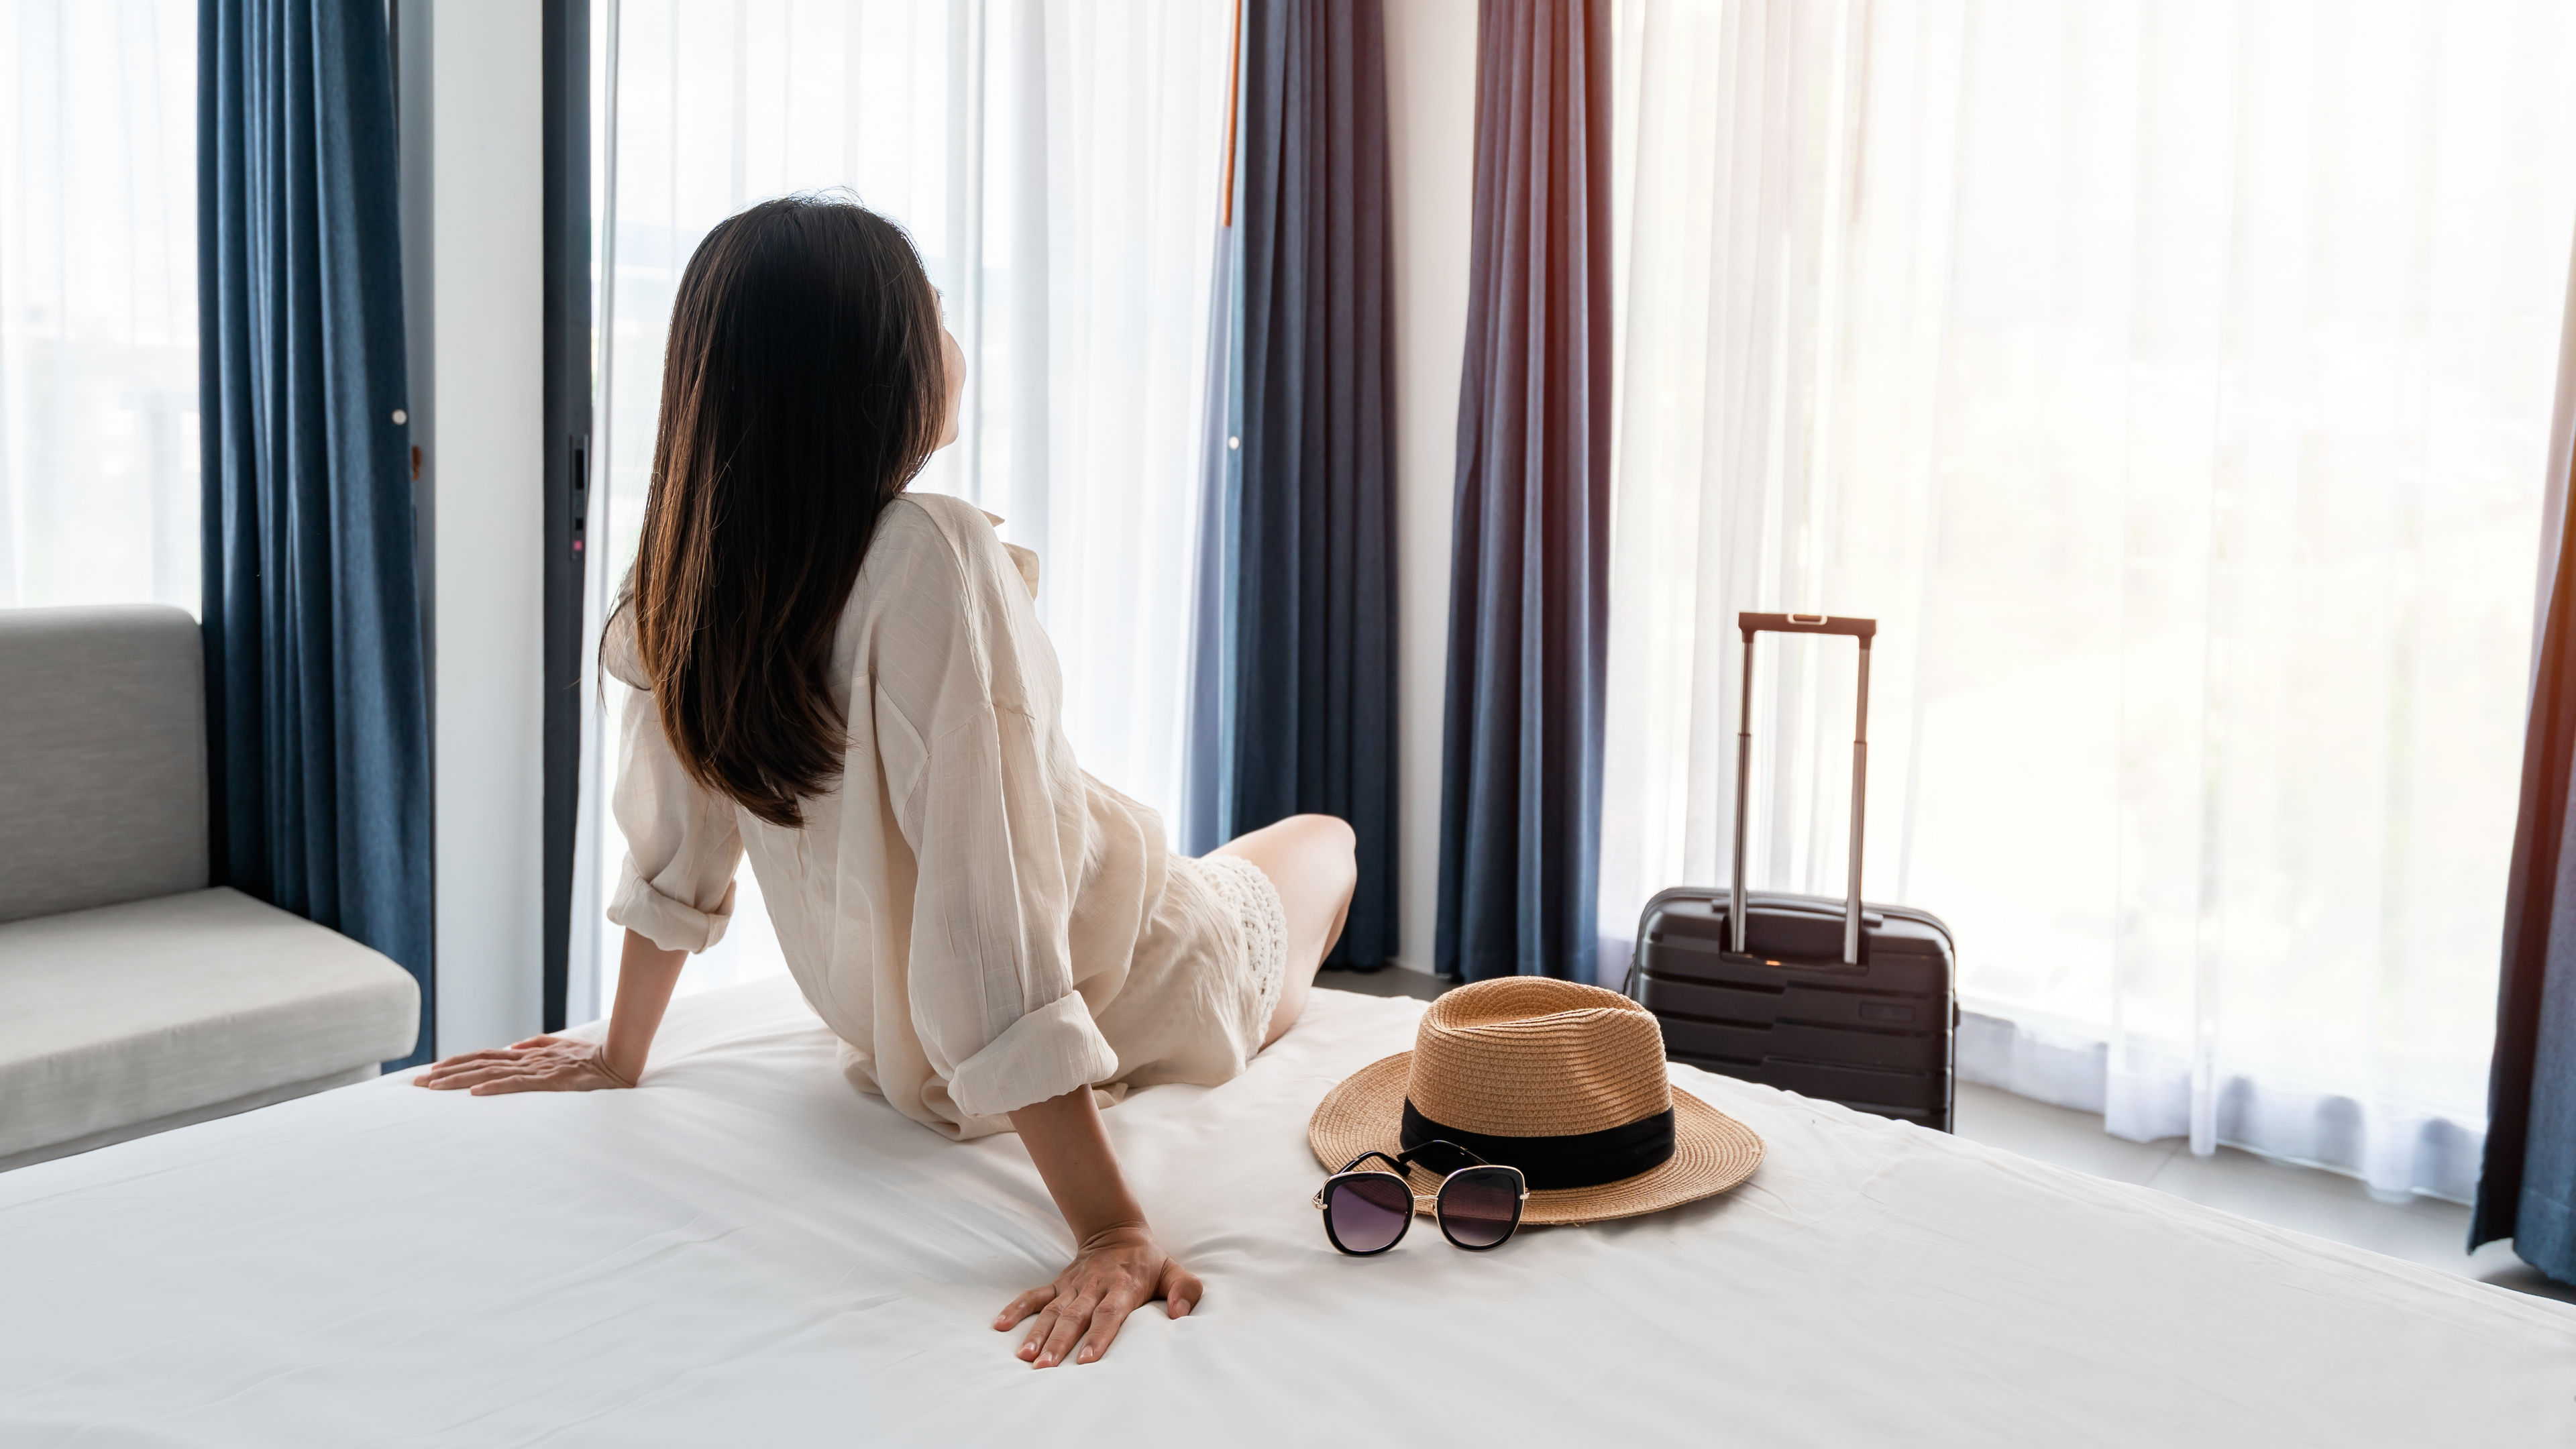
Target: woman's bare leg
x=1311, y=859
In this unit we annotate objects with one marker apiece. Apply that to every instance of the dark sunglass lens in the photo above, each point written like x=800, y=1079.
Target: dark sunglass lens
x=1368, y=1213
x=1479, y=1206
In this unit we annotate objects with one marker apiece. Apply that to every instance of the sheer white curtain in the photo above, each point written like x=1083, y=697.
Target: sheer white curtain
x=98, y=302
x=2173, y=382
x=1058, y=164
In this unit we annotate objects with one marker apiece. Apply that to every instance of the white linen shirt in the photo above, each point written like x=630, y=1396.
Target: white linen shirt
x=974, y=916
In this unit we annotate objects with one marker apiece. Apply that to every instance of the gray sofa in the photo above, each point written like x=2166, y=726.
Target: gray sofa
x=133, y=998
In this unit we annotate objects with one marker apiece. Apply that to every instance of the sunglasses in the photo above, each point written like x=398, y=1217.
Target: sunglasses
x=1478, y=1205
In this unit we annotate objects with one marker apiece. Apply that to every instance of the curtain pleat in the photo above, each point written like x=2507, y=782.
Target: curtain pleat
x=318, y=733
x=1529, y=583
x=1310, y=603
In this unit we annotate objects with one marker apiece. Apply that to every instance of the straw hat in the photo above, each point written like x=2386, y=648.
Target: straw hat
x=1565, y=1082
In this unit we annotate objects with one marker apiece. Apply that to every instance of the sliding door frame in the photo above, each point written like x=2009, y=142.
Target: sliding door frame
x=567, y=468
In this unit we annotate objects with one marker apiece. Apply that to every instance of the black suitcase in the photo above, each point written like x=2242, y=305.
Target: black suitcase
x=1849, y=1002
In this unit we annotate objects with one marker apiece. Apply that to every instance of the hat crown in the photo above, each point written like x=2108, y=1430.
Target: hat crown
x=1530, y=1056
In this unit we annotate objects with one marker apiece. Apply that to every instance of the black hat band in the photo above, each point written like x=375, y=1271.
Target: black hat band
x=1585, y=1159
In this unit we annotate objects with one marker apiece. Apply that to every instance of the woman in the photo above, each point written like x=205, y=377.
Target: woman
x=848, y=683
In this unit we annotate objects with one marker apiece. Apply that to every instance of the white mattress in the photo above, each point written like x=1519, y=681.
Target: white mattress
x=747, y=1251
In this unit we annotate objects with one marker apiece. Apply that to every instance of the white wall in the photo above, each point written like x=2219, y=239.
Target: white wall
x=484, y=452
x=1431, y=120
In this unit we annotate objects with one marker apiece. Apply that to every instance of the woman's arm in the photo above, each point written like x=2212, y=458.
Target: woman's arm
x=645, y=975
x=1117, y=1266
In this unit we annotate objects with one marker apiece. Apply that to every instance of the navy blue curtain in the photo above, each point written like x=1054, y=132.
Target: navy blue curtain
x=1529, y=603
x=1309, y=708
x=318, y=732
x=2527, y=1188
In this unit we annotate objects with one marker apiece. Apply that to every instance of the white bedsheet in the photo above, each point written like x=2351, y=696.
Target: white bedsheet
x=747, y=1251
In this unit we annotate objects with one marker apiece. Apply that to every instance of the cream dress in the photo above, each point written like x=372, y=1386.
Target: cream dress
x=982, y=924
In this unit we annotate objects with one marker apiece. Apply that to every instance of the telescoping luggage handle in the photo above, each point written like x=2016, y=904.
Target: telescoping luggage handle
x=1861, y=630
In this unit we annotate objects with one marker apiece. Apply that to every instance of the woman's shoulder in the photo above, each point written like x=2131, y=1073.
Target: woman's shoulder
x=938, y=580
x=940, y=535
x=957, y=522
x=936, y=564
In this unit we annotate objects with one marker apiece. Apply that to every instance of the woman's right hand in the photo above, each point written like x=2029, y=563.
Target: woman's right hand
x=645, y=975
x=539, y=1064
x=1114, y=1272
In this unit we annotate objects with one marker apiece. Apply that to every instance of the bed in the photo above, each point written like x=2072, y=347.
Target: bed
x=747, y=1251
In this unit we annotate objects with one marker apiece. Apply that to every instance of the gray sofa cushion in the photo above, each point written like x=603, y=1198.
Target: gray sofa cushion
x=126, y=1013
x=170, y=1121
x=102, y=757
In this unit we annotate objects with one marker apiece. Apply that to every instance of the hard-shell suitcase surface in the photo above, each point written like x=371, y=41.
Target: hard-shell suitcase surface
x=1850, y=1002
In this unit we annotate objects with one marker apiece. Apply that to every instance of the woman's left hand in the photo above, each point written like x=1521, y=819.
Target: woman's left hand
x=539, y=1064
x=1114, y=1272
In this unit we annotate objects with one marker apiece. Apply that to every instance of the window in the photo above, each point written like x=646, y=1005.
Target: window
x=2173, y=383
x=1058, y=167
x=98, y=302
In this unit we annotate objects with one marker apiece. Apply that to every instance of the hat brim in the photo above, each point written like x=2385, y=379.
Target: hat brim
x=1711, y=1151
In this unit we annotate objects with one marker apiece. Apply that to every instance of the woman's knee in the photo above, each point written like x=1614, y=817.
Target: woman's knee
x=1313, y=861
x=1332, y=848
x=1333, y=827
x=1334, y=835
x=1304, y=842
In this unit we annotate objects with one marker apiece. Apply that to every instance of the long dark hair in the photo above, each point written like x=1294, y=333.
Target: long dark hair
x=803, y=388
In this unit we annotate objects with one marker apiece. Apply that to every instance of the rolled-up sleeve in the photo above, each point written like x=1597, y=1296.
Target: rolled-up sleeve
x=986, y=798
x=683, y=843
